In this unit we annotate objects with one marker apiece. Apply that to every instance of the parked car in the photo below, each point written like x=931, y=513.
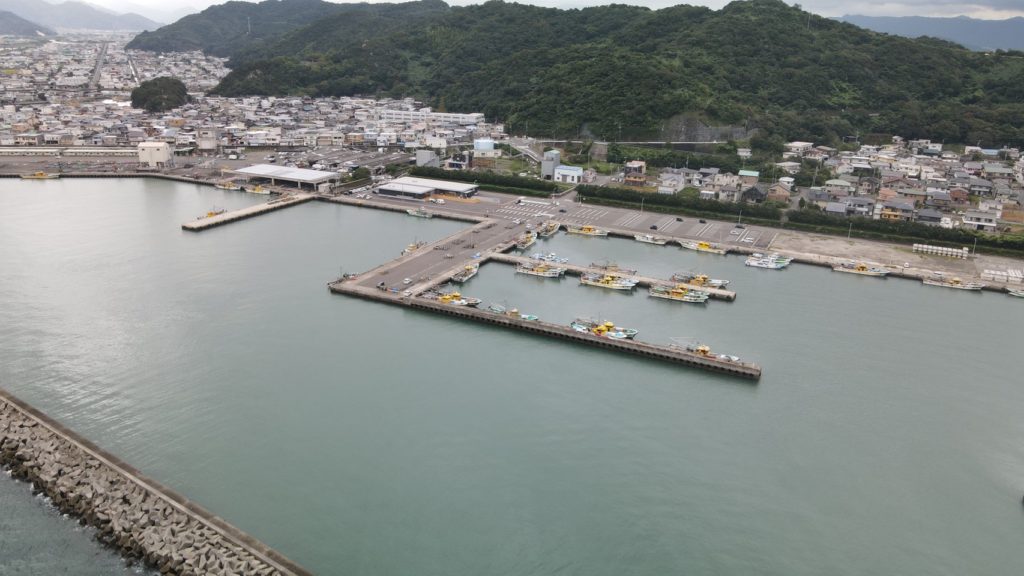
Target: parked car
x=703, y=221
x=654, y=227
x=562, y=210
x=678, y=219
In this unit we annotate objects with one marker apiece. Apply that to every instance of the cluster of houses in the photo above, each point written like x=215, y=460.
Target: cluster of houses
x=908, y=180
x=37, y=110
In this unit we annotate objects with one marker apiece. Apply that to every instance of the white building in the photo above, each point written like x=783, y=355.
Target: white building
x=568, y=174
x=154, y=154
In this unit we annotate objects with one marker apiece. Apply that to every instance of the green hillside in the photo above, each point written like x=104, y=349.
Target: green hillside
x=621, y=71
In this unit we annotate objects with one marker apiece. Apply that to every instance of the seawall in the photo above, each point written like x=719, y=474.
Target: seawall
x=136, y=515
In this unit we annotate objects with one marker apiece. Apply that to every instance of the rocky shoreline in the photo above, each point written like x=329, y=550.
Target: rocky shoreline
x=140, y=518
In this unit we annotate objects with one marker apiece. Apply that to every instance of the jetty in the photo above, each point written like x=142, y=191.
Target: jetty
x=672, y=354
x=643, y=281
x=136, y=515
x=204, y=223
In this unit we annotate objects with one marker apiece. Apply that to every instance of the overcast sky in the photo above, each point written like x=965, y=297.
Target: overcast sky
x=992, y=9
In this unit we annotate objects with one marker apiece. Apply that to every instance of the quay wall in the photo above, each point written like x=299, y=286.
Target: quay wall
x=663, y=353
x=139, y=517
x=365, y=203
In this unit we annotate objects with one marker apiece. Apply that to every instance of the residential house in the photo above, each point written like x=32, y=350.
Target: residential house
x=980, y=220
x=635, y=173
x=929, y=216
x=839, y=187
x=897, y=210
x=748, y=178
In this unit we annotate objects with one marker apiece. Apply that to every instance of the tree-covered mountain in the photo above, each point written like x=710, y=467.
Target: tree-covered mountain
x=618, y=71
x=13, y=25
x=970, y=32
x=75, y=15
x=225, y=29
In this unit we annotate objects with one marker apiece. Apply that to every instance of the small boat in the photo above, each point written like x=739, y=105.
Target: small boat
x=771, y=261
x=609, y=281
x=257, y=189
x=679, y=293
x=466, y=273
x=605, y=328
x=413, y=247
x=525, y=240
x=419, y=213
x=457, y=299
x=548, y=229
x=549, y=257
x=227, y=186
x=608, y=266
x=542, y=269
x=705, y=352
x=40, y=176
x=699, y=280
x=954, y=283
x=1017, y=293
x=585, y=230
x=528, y=317
x=860, y=268
x=650, y=239
x=496, y=308
x=701, y=246
x=213, y=212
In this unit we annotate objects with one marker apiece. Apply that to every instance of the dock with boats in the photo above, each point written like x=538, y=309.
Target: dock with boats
x=642, y=281
x=218, y=219
x=673, y=354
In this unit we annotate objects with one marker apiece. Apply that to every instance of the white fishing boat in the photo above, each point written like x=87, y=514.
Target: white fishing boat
x=466, y=273
x=585, y=230
x=525, y=240
x=650, y=239
x=770, y=261
x=542, y=269
x=609, y=281
x=678, y=293
x=419, y=213
x=860, y=268
x=548, y=229
x=701, y=246
x=699, y=280
x=605, y=328
x=955, y=283
x=1017, y=293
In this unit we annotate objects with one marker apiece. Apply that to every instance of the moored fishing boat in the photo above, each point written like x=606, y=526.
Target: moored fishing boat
x=413, y=247
x=213, y=212
x=227, y=185
x=457, y=299
x=585, y=230
x=39, y=176
x=704, y=351
x=548, y=229
x=525, y=240
x=699, y=280
x=701, y=246
x=419, y=213
x=542, y=269
x=612, y=267
x=549, y=257
x=466, y=273
x=605, y=328
x=955, y=283
x=770, y=261
x=678, y=293
x=257, y=189
x=608, y=281
x=1017, y=293
x=860, y=268
x=650, y=239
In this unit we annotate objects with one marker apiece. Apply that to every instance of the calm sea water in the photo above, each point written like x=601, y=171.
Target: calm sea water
x=884, y=437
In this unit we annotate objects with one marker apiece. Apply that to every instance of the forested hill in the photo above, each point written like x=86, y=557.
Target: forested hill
x=619, y=70
x=225, y=29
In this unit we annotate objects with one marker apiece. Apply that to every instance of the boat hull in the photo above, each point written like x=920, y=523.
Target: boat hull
x=970, y=287
x=609, y=286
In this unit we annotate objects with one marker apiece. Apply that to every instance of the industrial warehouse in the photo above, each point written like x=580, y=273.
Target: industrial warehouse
x=316, y=179
x=422, y=188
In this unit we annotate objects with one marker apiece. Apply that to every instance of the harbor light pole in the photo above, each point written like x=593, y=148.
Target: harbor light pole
x=850, y=231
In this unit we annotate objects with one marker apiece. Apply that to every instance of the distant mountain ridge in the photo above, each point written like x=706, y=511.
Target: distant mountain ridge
x=968, y=32
x=224, y=29
x=75, y=15
x=13, y=25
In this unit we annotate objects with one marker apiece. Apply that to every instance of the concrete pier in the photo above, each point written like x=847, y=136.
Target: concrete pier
x=643, y=281
x=671, y=354
x=248, y=212
x=138, y=516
